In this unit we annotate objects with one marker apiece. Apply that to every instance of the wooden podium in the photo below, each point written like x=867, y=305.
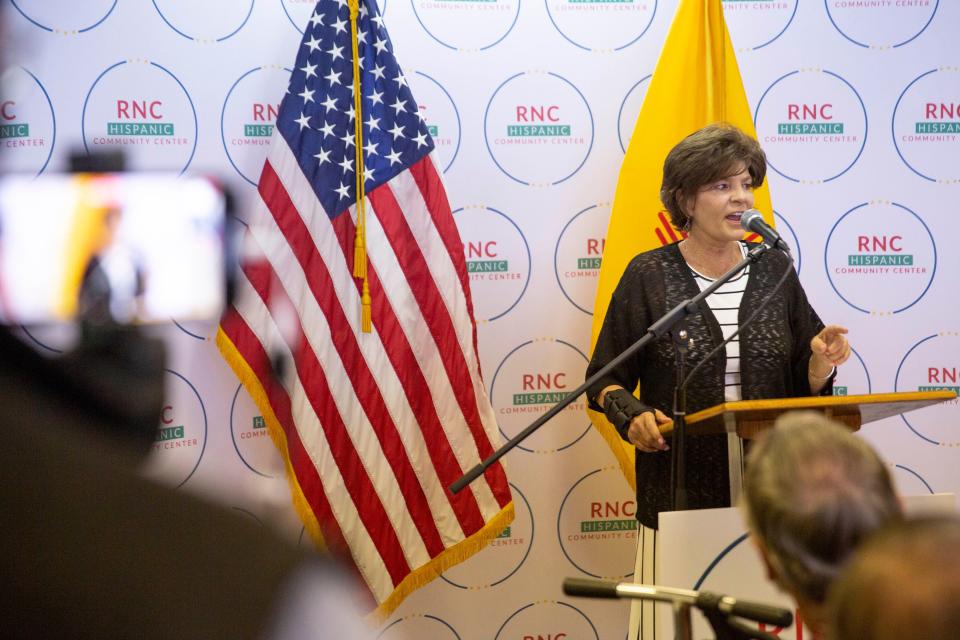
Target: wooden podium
x=746, y=419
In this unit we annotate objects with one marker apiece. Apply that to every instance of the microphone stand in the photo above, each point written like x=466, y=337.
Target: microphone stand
x=678, y=459
x=655, y=331
x=721, y=611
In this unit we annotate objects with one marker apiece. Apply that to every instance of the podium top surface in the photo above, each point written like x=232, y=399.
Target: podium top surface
x=852, y=410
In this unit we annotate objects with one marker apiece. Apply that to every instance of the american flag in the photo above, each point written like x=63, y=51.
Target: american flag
x=373, y=426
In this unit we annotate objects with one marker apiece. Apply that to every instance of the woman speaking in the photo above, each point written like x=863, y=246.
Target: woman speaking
x=708, y=182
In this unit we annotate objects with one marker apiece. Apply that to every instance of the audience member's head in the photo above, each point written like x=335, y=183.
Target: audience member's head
x=813, y=493
x=903, y=583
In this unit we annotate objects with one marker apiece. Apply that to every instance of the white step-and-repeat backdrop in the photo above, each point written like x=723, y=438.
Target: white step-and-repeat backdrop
x=856, y=102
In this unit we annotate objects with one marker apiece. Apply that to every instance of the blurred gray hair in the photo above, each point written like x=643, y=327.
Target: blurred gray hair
x=902, y=583
x=813, y=491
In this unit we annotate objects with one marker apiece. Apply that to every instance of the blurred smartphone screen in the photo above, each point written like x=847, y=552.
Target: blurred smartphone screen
x=124, y=247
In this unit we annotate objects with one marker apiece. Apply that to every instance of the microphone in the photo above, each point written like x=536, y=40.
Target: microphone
x=752, y=220
x=704, y=600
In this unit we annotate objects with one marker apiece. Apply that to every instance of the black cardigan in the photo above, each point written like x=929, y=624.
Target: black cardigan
x=774, y=352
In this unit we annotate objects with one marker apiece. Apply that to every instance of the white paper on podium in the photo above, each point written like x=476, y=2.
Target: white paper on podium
x=709, y=550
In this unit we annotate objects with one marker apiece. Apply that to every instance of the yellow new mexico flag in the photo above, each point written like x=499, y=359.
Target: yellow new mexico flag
x=696, y=82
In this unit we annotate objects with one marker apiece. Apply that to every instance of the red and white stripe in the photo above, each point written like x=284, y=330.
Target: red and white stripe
x=377, y=424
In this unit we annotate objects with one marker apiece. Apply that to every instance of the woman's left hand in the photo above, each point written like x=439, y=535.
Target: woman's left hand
x=830, y=346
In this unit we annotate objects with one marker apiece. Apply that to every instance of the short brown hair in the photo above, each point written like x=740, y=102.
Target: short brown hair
x=813, y=491
x=714, y=152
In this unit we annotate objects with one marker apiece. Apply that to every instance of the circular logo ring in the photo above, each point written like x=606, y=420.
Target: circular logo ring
x=556, y=257
x=896, y=387
x=413, y=5
x=866, y=123
x=456, y=113
x=916, y=475
x=382, y=7
x=623, y=147
x=522, y=560
x=193, y=109
x=424, y=615
x=486, y=140
x=223, y=115
x=933, y=271
x=586, y=48
x=562, y=604
x=720, y=556
x=893, y=130
x=826, y=4
x=51, y=29
x=529, y=261
x=189, y=37
x=203, y=409
x=796, y=247
x=494, y=382
x=560, y=535
x=233, y=437
x=53, y=119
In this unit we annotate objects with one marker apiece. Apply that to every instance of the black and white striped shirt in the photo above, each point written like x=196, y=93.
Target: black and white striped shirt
x=725, y=305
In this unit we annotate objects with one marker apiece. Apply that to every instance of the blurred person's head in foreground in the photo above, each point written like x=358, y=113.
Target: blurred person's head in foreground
x=902, y=583
x=813, y=492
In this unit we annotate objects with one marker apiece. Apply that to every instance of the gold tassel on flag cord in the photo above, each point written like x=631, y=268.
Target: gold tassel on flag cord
x=359, y=241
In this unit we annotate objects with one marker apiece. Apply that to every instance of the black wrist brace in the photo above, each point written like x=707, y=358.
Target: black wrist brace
x=620, y=407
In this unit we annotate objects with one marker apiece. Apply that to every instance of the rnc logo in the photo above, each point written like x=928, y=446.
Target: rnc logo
x=251, y=437
x=181, y=436
x=249, y=116
x=606, y=516
x=809, y=119
x=538, y=128
x=939, y=118
x=502, y=558
x=597, y=525
x=8, y=127
x=880, y=242
x=264, y=116
x=28, y=127
x=547, y=620
x=142, y=106
x=539, y=388
x=482, y=257
x=881, y=250
x=170, y=436
x=594, y=253
x=577, y=257
x=139, y=118
x=941, y=379
x=258, y=429
x=498, y=259
x=538, y=121
x=926, y=124
x=520, y=393
x=440, y=112
x=931, y=365
x=813, y=125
